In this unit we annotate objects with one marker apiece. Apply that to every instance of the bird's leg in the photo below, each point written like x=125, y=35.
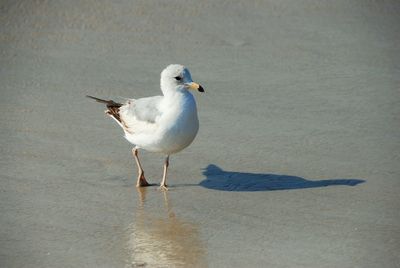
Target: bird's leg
x=163, y=185
x=141, y=181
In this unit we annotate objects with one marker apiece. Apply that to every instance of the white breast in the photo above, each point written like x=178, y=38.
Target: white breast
x=176, y=128
x=181, y=124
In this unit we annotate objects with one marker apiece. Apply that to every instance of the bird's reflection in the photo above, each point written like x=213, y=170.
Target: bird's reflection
x=163, y=239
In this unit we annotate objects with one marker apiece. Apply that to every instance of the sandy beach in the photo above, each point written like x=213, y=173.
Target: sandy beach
x=296, y=163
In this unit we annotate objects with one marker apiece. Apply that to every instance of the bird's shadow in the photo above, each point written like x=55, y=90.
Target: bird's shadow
x=218, y=179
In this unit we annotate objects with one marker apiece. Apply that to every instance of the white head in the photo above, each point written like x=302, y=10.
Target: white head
x=177, y=77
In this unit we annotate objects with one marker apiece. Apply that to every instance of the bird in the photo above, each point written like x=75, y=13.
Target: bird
x=164, y=124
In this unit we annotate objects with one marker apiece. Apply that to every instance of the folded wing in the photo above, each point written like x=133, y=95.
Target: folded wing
x=140, y=116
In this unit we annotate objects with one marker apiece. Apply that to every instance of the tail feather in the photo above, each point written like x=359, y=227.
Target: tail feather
x=112, y=107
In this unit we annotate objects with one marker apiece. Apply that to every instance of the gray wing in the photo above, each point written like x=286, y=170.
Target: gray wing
x=147, y=109
x=140, y=116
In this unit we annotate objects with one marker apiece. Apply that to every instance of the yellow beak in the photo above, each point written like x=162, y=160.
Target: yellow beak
x=195, y=86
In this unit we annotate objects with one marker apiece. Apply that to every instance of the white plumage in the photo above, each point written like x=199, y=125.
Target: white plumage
x=164, y=124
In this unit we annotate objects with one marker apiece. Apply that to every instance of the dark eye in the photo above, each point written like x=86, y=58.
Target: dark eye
x=178, y=78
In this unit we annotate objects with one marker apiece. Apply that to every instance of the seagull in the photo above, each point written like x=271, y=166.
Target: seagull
x=162, y=124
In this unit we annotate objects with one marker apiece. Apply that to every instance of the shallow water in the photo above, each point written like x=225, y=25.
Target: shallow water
x=163, y=239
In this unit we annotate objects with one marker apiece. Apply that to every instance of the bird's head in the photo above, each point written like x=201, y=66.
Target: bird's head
x=177, y=77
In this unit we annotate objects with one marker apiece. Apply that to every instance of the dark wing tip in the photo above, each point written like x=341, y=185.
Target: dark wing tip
x=97, y=99
x=109, y=103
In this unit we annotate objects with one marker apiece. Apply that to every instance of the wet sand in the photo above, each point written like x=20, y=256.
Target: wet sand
x=296, y=163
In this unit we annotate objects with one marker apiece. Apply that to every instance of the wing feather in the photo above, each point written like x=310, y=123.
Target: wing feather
x=140, y=115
